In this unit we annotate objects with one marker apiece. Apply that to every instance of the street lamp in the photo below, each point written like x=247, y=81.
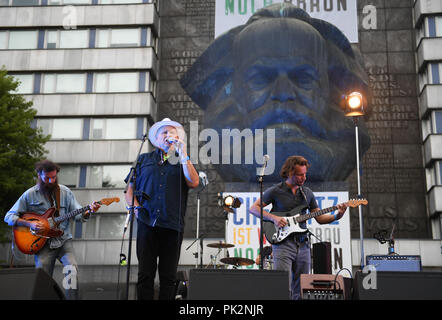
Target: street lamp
x=354, y=107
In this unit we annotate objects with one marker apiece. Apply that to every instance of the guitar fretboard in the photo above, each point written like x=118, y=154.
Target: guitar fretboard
x=71, y=214
x=310, y=215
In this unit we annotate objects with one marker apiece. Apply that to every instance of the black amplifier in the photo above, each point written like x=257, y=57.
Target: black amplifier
x=395, y=263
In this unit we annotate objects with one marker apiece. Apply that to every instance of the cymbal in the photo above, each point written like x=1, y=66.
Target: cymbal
x=237, y=261
x=220, y=245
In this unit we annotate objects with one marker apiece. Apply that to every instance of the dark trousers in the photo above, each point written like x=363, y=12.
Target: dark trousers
x=157, y=248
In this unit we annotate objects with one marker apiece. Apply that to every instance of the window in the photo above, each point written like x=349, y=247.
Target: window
x=439, y=26
x=26, y=85
x=438, y=167
x=437, y=122
x=68, y=176
x=25, y=2
x=23, y=39
x=3, y=40
x=104, y=226
x=114, y=128
x=118, y=38
x=107, y=176
x=64, y=83
x=119, y=1
x=116, y=82
x=434, y=26
x=111, y=226
x=66, y=39
x=60, y=2
x=435, y=69
x=69, y=129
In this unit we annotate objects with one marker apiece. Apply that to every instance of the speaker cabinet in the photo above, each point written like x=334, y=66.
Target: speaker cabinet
x=386, y=285
x=222, y=284
x=322, y=258
x=28, y=284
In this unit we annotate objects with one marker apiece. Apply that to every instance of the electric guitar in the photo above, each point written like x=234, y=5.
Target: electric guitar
x=294, y=217
x=30, y=242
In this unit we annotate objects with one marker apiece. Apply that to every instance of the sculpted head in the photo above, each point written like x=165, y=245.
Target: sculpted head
x=284, y=71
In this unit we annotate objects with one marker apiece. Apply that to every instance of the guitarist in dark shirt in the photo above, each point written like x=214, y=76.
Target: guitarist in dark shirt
x=293, y=253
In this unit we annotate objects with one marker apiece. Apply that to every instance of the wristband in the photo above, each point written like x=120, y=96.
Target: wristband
x=336, y=217
x=132, y=207
x=185, y=160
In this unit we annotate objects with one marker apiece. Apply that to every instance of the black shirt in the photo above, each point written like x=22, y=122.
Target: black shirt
x=166, y=186
x=282, y=198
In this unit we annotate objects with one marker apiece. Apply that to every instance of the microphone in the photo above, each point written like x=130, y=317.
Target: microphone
x=203, y=177
x=266, y=159
x=171, y=140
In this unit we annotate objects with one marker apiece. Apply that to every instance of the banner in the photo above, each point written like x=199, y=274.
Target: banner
x=341, y=13
x=243, y=230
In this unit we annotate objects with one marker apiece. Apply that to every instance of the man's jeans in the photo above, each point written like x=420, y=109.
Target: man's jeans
x=295, y=258
x=46, y=258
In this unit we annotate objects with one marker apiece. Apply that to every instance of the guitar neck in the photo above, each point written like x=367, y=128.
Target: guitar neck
x=71, y=214
x=311, y=215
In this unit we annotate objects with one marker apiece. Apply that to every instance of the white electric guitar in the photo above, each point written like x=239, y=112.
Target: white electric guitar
x=295, y=217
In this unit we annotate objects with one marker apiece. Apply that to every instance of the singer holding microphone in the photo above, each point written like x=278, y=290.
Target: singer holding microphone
x=165, y=175
x=293, y=253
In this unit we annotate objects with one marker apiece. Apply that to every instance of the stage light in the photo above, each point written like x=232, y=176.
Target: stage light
x=228, y=202
x=354, y=105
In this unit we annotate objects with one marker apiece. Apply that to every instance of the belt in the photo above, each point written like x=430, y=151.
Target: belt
x=299, y=237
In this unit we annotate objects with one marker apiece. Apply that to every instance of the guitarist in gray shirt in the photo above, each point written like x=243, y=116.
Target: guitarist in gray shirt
x=293, y=253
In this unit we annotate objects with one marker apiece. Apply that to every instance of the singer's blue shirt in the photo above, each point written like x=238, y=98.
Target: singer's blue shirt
x=165, y=185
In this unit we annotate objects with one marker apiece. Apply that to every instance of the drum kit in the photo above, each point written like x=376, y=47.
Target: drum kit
x=232, y=261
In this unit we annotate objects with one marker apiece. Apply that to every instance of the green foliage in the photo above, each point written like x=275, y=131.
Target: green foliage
x=20, y=146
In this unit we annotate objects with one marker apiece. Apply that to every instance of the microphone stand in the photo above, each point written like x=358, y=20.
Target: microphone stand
x=133, y=176
x=261, y=214
x=261, y=239
x=200, y=238
x=198, y=197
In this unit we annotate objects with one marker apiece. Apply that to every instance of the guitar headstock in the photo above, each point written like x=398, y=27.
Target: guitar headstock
x=108, y=201
x=356, y=202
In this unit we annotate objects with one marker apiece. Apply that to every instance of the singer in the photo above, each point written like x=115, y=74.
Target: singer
x=161, y=218
x=293, y=253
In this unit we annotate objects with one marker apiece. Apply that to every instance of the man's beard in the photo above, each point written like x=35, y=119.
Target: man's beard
x=48, y=189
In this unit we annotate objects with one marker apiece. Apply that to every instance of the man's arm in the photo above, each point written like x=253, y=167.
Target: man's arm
x=327, y=218
x=255, y=209
x=190, y=173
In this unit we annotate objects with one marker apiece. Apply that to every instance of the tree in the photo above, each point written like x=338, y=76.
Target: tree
x=21, y=146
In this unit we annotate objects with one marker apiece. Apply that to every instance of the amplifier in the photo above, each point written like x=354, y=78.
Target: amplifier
x=322, y=287
x=395, y=263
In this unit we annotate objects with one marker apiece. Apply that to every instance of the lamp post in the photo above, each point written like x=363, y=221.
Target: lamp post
x=354, y=107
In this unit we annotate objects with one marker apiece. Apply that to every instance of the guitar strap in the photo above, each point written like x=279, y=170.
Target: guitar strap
x=303, y=194
x=57, y=200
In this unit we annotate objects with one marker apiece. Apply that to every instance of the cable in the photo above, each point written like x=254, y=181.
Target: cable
x=336, y=277
x=122, y=258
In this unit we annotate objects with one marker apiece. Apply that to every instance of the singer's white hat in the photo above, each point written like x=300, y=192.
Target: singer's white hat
x=165, y=122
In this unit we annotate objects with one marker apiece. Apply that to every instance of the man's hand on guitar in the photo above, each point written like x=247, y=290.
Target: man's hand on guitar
x=36, y=226
x=341, y=210
x=279, y=221
x=92, y=208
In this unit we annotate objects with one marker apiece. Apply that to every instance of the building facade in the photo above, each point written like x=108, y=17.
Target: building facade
x=96, y=69
x=428, y=23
